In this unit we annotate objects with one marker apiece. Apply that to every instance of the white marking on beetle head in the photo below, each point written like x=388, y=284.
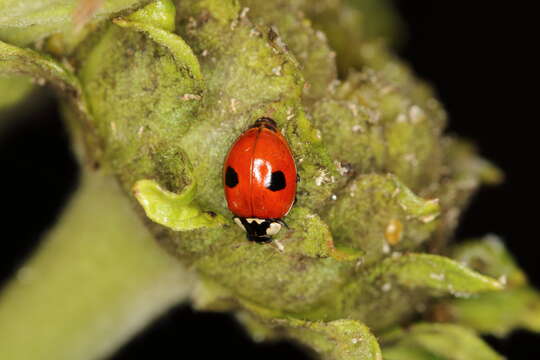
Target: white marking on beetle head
x=257, y=220
x=273, y=229
x=239, y=223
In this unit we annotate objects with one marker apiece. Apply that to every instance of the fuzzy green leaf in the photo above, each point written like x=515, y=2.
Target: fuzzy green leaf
x=439, y=342
x=489, y=256
x=17, y=61
x=336, y=340
x=175, y=211
x=160, y=14
x=158, y=27
x=434, y=272
x=424, y=210
x=25, y=22
x=496, y=313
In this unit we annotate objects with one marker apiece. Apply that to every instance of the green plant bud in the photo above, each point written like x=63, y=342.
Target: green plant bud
x=155, y=93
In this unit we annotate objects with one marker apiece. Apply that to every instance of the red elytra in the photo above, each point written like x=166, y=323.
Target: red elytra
x=259, y=176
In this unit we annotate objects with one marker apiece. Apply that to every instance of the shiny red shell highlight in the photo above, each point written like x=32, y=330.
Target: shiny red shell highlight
x=262, y=182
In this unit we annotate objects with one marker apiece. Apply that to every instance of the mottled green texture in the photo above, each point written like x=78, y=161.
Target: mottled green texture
x=310, y=48
x=158, y=95
x=142, y=136
x=381, y=198
x=393, y=131
x=439, y=342
x=97, y=279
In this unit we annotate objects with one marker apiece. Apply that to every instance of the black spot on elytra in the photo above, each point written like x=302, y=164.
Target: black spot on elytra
x=231, y=177
x=277, y=182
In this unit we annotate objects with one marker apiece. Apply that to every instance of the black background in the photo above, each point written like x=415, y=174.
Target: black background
x=475, y=54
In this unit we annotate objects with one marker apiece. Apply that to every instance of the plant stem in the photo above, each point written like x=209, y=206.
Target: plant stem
x=96, y=280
